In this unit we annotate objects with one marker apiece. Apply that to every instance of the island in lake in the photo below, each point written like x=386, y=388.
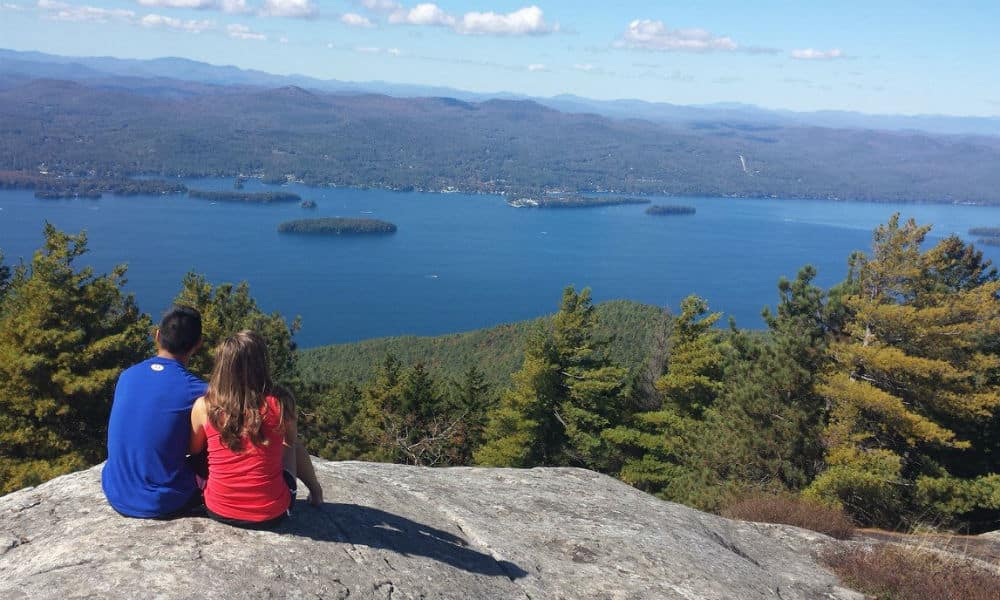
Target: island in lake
x=572, y=201
x=670, y=209
x=337, y=226
x=988, y=236
x=308, y=204
x=248, y=197
x=48, y=186
x=985, y=231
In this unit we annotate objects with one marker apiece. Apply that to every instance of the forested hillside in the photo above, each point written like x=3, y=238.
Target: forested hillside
x=497, y=146
x=632, y=331
x=880, y=396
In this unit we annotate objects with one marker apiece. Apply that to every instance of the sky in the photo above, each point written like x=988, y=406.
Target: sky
x=872, y=56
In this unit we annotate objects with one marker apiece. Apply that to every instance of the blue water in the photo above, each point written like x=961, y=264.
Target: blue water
x=461, y=262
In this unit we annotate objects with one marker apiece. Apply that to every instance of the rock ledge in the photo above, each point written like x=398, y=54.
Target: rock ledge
x=391, y=531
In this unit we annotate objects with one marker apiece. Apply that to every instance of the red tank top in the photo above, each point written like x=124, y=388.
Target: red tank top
x=248, y=485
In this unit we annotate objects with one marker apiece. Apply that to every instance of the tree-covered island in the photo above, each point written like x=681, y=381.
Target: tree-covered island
x=48, y=186
x=670, y=209
x=988, y=236
x=247, y=197
x=337, y=226
x=572, y=201
x=985, y=231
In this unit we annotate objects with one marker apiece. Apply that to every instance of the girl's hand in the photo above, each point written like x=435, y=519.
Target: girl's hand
x=315, y=495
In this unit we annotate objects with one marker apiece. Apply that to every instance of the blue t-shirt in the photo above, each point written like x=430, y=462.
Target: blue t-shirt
x=146, y=474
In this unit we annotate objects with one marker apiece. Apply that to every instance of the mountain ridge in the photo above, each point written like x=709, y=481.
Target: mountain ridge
x=183, y=69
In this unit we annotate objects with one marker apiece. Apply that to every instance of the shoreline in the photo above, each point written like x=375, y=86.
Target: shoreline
x=505, y=194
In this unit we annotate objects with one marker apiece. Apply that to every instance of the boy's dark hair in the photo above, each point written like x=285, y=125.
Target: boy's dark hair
x=180, y=329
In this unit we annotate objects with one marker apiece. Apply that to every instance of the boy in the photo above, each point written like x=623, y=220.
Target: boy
x=147, y=474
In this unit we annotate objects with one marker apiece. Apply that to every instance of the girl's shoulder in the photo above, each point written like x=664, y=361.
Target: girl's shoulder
x=199, y=412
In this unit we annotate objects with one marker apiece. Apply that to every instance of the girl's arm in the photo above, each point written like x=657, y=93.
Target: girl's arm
x=291, y=438
x=295, y=456
x=199, y=416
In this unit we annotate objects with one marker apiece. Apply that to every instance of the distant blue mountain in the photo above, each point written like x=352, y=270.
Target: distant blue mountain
x=142, y=75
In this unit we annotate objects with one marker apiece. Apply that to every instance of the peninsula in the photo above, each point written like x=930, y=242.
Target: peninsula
x=49, y=186
x=572, y=201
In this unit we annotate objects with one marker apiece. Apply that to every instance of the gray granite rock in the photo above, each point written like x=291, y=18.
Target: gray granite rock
x=397, y=532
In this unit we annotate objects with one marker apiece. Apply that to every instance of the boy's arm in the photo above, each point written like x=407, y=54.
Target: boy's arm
x=199, y=415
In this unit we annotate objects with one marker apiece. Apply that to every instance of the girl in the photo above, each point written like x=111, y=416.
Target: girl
x=249, y=428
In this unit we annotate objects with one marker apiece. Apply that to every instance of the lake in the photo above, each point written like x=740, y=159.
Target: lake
x=461, y=262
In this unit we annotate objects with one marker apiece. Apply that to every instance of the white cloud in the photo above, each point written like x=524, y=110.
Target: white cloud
x=812, y=54
x=526, y=21
x=283, y=40
x=381, y=6
x=228, y=6
x=60, y=11
x=355, y=20
x=234, y=6
x=393, y=51
x=197, y=4
x=536, y=67
x=584, y=67
x=191, y=26
x=422, y=14
x=655, y=35
x=8, y=6
x=242, y=32
x=303, y=9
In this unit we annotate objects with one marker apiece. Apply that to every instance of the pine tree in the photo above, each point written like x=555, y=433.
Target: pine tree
x=471, y=401
x=4, y=277
x=404, y=418
x=592, y=386
x=763, y=430
x=651, y=446
x=227, y=309
x=326, y=417
x=65, y=335
x=693, y=376
x=378, y=413
x=418, y=399
x=523, y=430
x=913, y=377
x=566, y=393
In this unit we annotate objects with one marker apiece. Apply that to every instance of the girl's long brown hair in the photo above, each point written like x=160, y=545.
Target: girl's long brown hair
x=238, y=388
